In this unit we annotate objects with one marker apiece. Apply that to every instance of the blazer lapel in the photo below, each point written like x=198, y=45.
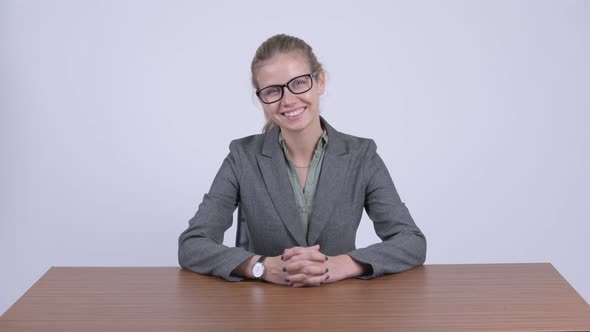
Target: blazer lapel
x=332, y=177
x=274, y=171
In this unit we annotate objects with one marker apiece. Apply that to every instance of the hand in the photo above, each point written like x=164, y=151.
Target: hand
x=303, y=266
x=273, y=271
x=308, y=266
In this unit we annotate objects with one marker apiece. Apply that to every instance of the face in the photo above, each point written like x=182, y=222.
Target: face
x=294, y=112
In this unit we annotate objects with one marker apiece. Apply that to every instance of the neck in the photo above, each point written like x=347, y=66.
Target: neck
x=301, y=144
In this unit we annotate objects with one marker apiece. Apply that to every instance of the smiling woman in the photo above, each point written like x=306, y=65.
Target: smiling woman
x=302, y=187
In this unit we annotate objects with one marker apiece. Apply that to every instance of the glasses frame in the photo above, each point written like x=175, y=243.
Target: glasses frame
x=311, y=75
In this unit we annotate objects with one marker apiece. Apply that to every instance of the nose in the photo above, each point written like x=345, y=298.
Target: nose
x=288, y=97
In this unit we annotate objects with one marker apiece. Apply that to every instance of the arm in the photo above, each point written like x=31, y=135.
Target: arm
x=200, y=246
x=404, y=245
x=244, y=270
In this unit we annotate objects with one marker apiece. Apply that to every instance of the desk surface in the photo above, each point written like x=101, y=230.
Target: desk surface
x=487, y=297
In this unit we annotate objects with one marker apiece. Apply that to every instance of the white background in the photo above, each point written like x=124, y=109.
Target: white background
x=116, y=115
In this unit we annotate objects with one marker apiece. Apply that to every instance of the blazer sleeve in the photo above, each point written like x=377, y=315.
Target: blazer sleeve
x=403, y=245
x=200, y=246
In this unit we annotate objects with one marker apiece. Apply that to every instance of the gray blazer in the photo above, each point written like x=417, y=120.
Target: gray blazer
x=254, y=175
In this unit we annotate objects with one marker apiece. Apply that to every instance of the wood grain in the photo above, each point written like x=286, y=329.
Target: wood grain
x=487, y=297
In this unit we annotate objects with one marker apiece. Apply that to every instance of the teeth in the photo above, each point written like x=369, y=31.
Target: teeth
x=294, y=113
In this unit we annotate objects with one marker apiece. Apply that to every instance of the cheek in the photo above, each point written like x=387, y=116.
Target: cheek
x=314, y=98
x=269, y=110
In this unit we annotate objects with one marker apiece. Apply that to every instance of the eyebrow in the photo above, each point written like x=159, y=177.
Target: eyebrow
x=280, y=84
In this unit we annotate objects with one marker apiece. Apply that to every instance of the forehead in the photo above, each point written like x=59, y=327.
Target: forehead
x=281, y=68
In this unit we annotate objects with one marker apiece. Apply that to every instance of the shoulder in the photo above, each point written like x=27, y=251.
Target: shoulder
x=355, y=142
x=351, y=143
x=344, y=141
x=247, y=144
x=243, y=151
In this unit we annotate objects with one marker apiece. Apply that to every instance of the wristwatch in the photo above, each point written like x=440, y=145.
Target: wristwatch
x=258, y=268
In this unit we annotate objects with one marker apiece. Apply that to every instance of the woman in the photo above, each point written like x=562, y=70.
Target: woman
x=302, y=187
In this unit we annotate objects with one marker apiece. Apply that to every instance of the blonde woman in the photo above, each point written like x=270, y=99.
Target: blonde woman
x=302, y=187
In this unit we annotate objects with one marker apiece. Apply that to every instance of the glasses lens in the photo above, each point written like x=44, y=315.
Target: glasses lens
x=271, y=94
x=300, y=84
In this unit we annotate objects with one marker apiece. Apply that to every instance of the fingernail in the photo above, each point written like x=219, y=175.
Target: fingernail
x=327, y=277
x=282, y=257
x=284, y=269
x=327, y=270
x=286, y=280
x=326, y=257
x=322, y=283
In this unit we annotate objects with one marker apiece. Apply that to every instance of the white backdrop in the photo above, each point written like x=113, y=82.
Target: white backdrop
x=115, y=116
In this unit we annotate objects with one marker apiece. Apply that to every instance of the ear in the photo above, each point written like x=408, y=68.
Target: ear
x=321, y=82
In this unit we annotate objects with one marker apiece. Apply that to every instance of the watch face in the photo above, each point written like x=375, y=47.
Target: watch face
x=258, y=270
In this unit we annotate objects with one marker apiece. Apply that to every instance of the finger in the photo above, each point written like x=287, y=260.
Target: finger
x=288, y=253
x=314, y=270
x=296, y=267
x=316, y=256
x=306, y=267
x=296, y=285
x=296, y=278
x=311, y=255
x=317, y=280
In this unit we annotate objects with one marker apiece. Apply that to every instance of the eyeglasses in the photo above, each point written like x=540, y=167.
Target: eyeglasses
x=298, y=85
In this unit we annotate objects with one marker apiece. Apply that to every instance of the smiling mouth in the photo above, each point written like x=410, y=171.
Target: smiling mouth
x=294, y=113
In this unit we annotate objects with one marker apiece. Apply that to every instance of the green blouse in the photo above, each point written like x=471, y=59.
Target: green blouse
x=304, y=199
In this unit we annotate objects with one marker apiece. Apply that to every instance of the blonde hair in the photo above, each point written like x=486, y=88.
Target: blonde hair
x=281, y=44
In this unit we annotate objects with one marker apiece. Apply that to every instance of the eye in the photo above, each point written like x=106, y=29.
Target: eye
x=300, y=82
x=271, y=91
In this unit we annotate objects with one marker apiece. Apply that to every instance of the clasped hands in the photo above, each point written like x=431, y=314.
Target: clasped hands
x=308, y=266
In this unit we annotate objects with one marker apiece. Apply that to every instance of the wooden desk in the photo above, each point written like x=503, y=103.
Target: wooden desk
x=495, y=297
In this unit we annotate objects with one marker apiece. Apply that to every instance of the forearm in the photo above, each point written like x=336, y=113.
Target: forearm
x=244, y=270
x=350, y=267
x=400, y=253
x=202, y=255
